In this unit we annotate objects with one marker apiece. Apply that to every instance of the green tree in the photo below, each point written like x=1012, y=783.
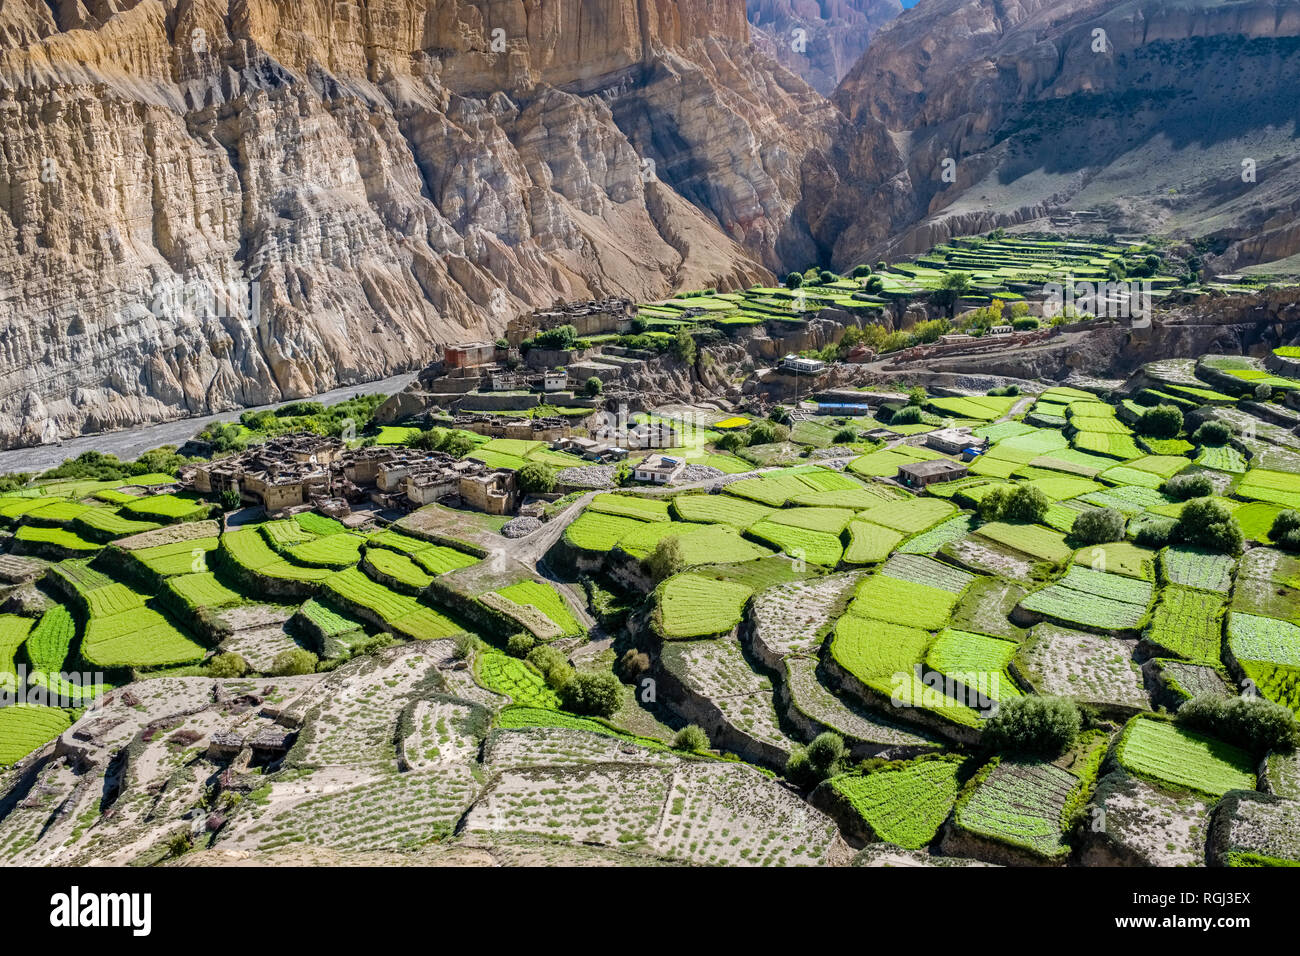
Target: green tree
x=561, y=337
x=229, y=499
x=536, y=477
x=794, y=280
x=666, y=559
x=551, y=664
x=593, y=387
x=861, y=271
x=1285, y=532
x=227, y=665
x=519, y=645
x=952, y=287
x=1039, y=726
x=684, y=346
x=1163, y=421
x=1213, y=432
x=1185, y=487
x=588, y=692
x=1098, y=526
x=916, y=395
x=457, y=444
x=1207, y=523
x=296, y=661
x=1019, y=503
x=692, y=738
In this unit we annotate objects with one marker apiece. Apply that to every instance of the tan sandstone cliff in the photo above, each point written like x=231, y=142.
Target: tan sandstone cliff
x=223, y=202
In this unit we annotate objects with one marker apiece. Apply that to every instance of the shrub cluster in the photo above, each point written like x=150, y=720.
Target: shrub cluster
x=1252, y=723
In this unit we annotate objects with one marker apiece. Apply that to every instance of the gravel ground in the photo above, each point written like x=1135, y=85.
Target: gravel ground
x=587, y=476
x=700, y=473
x=835, y=451
x=520, y=527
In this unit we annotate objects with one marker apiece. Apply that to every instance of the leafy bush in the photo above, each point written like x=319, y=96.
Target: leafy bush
x=1099, y=526
x=794, y=280
x=826, y=277
x=536, y=477
x=666, y=559
x=466, y=645
x=518, y=645
x=765, y=433
x=633, y=663
x=593, y=387
x=1156, y=534
x=908, y=415
x=296, y=661
x=560, y=337
x=1019, y=503
x=1184, y=487
x=1285, y=532
x=1004, y=390
x=1044, y=726
x=916, y=395
x=457, y=445
x=595, y=694
x=861, y=271
x=1263, y=392
x=845, y=436
x=684, y=347
x=227, y=665
x=692, y=738
x=825, y=753
x=808, y=766
x=1163, y=421
x=874, y=284
x=229, y=499
x=551, y=664
x=1213, y=432
x=1024, y=323
x=1207, y=523
x=1253, y=723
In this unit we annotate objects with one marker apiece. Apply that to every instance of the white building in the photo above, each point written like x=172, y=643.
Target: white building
x=659, y=469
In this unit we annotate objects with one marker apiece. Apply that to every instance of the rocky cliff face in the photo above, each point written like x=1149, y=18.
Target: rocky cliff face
x=213, y=203
x=819, y=40
x=964, y=115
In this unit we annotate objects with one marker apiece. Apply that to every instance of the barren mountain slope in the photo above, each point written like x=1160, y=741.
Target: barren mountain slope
x=1144, y=110
x=215, y=203
x=821, y=41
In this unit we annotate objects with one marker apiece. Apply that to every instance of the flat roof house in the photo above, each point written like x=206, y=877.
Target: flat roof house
x=660, y=469
x=954, y=441
x=802, y=366
x=919, y=474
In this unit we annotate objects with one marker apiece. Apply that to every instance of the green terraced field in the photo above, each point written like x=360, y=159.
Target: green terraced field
x=904, y=804
x=24, y=729
x=1020, y=804
x=1173, y=756
x=631, y=506
x=815, y=547
x=885, y=598
x=694, y=606
x=546, y=599
x=719, y=509
x=870, y=543
x=398, y=567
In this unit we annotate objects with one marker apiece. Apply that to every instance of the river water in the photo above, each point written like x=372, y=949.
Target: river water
x=129, y=443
